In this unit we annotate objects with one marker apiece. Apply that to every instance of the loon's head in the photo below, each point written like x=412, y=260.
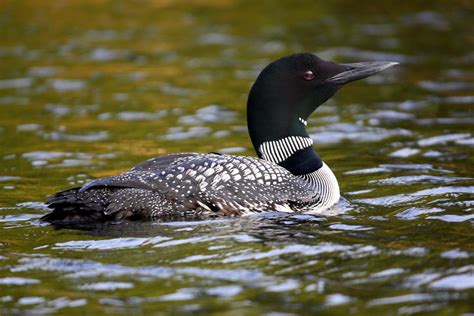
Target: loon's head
x=289, y=89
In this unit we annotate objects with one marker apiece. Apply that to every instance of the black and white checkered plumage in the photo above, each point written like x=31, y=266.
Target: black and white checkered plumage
x=194, y=185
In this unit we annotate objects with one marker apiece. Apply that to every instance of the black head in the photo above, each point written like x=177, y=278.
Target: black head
x=289, y=89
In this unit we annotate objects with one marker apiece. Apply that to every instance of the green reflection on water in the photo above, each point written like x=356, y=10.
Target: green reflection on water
x=79, y=64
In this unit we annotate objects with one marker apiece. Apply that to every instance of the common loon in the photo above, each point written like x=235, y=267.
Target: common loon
x=287, y=176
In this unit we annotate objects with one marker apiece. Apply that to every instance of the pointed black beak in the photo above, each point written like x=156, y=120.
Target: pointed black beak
x=359, y=70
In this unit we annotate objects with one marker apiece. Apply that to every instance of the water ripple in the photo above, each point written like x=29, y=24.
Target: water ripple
x=404, y=198
x=211, y=113
x=335, y=133
x=455, y=282
x=404, y=152
x=18, y=281
x=63, y=85
x=409, y=298
x=108, y=244
x=106, y=286
x=418, y=179
x=445, y=86
x=90, y=269
x=304, y=250
x=349, y=227
x=414, y=212
x=17, y=83
x=441, y=139
x=453, y=218
x=455, y=254
x=399, y=167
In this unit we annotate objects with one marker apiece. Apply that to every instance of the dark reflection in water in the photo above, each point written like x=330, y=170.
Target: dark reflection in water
x=91, y=88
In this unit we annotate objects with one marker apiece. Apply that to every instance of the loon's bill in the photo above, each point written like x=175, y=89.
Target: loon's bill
x=288, y=175
x=357, y=71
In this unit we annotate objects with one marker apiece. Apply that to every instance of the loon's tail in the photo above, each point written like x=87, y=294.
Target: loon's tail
x=100, y=204
x=72, y=206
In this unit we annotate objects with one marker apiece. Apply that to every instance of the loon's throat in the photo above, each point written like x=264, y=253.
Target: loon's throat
x=289, y=146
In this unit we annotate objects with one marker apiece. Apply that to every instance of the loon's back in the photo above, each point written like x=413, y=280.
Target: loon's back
x=187, y=185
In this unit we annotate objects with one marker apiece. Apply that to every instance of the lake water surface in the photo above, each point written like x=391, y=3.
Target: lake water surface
x=91, y=88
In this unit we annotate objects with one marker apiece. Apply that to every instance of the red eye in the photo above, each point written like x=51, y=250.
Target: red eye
x=309, y=75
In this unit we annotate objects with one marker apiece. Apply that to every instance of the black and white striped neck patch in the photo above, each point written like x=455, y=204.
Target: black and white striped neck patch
x=282, y=149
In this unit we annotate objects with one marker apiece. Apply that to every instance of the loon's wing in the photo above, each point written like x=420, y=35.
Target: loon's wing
x=221, y=184
x=160, y=162
x=139, y=176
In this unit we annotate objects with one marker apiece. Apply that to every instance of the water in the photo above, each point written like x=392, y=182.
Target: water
x=89, y=89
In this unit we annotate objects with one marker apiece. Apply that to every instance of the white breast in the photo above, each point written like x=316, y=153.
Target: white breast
x=325, y=183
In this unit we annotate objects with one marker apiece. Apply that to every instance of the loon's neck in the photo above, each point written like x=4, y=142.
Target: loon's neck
x=283, y=141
